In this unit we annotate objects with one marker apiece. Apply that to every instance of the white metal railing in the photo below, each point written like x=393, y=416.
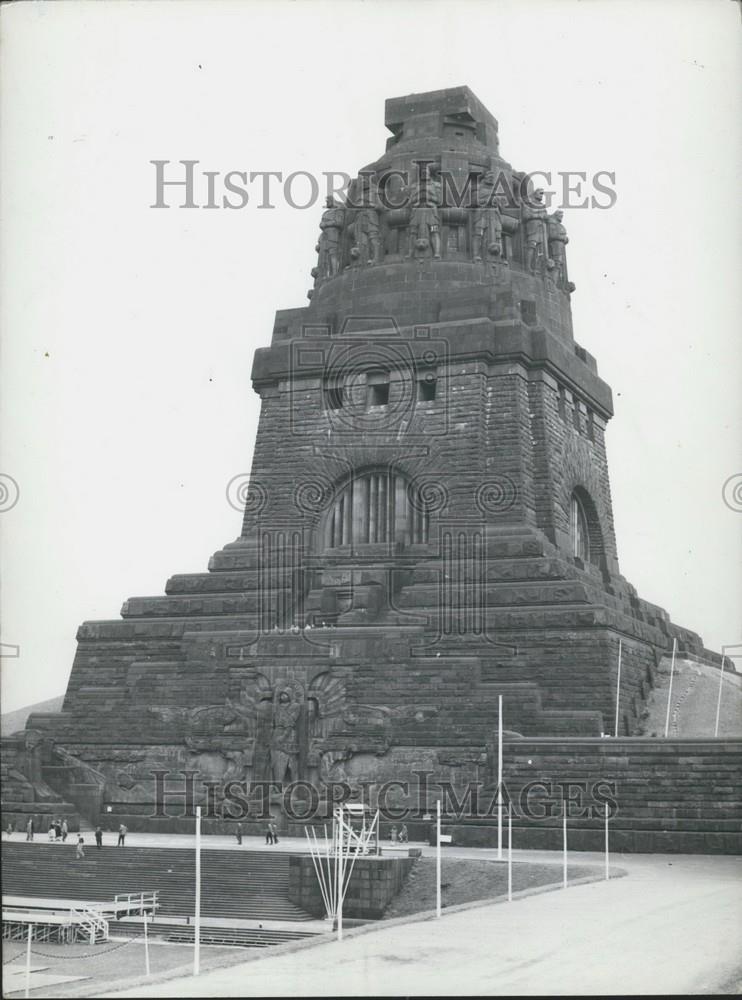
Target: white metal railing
x=91, y=921
x=133, y=903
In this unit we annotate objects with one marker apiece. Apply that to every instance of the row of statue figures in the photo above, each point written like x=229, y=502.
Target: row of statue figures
x=354, y=232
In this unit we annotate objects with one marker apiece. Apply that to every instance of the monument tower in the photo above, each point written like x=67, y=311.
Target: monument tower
x=428, y=523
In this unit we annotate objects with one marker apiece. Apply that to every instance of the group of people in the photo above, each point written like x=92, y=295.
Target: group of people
x=59, y=831
x=400, y=836
x=271, y=833
x=80, y=852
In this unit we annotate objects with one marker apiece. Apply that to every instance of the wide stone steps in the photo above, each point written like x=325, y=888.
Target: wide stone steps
x=247, y=885
x=238, y=937
x=254, y=602
x=491, y=594
x=224, y=582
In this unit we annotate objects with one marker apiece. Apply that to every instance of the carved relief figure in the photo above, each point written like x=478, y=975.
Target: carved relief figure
x=487, y=220
x=426, y=198
x=535, y=220
x=331, y=226
x=558, y=240
x=284, y=736
x=366, y=226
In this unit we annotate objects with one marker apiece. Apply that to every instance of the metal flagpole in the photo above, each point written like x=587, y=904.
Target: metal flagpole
x=339, y=869
x=510, y=852
x=438, y=859
x=197, y=917
x=499, y=778
x=607, y=867
x=618, y=684
x=718, y=700
x=564, y=845
x=669, y=693
x=28, y=959
x=146, y=944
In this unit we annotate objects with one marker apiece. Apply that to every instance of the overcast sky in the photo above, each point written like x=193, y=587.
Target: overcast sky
x=128, y=332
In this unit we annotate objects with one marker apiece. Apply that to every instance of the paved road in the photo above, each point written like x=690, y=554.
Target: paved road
x=674, y=925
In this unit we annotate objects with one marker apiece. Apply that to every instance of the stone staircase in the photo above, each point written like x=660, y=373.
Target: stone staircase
x=236, y=937
x=240, y=885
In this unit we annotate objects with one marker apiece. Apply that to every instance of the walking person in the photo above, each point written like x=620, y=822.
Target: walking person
x=238, y=833
x=269, y=833
x=98, y=838
x=122, y=835
x=11, y=829
x=80, y=851
x=29, y=829
x=58, y=828
x=274, y=832
x=64, y=830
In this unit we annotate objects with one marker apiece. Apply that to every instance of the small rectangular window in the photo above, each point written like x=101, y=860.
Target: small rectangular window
x=379, y=394
x=576, y=415
x=426, y=390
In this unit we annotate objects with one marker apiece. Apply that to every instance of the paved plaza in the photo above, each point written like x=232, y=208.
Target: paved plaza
x=672, y=925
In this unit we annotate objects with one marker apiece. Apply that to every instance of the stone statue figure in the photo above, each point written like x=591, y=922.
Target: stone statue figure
x=284, y=744
x=558, y=240
x=366, y=227
x=331, y=226
x=535, y=220
x=487, y=224
x=426, y=198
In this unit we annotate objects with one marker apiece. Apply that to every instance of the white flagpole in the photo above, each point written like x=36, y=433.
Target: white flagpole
x=607, y=866
x=146, y=944
x=197, y=915
x=499, y=778
x=564, y=845
x=669, y=693
x=331, y=879
x=341, y=873
x=618, y=684
x=28, y=959
x=438, y=859
x=718, y=700
x=510, y=852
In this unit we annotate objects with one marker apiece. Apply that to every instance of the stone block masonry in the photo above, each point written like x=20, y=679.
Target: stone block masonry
x=374, y=882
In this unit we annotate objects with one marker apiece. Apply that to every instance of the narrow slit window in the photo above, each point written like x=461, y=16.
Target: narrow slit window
x=579, y=531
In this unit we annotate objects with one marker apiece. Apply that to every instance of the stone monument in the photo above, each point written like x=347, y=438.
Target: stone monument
x=428, y=523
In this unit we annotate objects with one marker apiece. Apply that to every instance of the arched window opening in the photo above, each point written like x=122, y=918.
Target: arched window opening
x=377, y=508
x=579, y=530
